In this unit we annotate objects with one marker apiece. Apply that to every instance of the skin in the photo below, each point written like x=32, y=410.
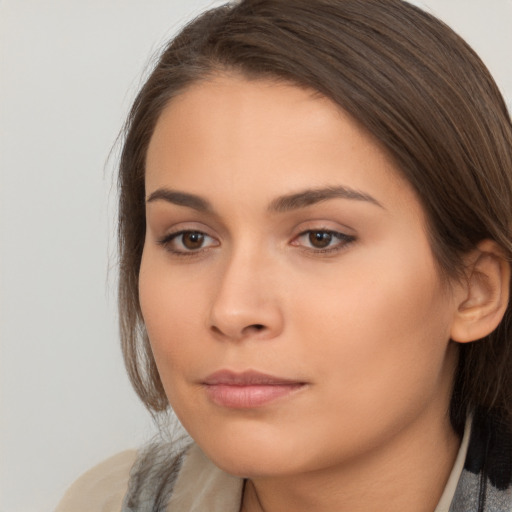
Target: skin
x=364, y=322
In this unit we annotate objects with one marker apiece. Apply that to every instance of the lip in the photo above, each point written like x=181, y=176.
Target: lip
x=248, y=389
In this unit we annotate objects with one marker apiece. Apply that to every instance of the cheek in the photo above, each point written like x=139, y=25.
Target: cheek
x=380, y=330
x=169, y=308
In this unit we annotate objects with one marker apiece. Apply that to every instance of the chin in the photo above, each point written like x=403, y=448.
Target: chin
x=252, y=463
x=255, y=452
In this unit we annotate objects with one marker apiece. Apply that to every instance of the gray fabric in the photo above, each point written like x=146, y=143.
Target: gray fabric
x=152, y=479
x=477, y=494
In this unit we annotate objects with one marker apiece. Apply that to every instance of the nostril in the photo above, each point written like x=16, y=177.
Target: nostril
x=215, y=329
x=246, y=330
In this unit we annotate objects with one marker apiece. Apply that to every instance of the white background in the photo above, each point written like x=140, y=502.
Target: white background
x=68, y=72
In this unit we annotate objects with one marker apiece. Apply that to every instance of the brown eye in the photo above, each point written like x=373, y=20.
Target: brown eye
x=193, y=240
x=186, y=242
x=320, y=239
x=323, y=241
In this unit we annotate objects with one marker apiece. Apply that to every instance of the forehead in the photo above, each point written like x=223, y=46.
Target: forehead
x=261, y=135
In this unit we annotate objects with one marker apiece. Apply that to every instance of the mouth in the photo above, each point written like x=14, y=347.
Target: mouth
x=247, y=390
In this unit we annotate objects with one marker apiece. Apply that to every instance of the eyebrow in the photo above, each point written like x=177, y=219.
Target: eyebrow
x=309, y=197
x=281, y=204
x=180, y=199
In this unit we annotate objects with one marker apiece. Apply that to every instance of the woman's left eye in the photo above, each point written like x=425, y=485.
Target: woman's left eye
x=322, y=240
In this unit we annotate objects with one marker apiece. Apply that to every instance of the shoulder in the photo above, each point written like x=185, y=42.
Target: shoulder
x=486, y=480
x=102, y=488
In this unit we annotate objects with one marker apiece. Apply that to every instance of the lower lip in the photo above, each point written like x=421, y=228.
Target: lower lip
x=250, y=396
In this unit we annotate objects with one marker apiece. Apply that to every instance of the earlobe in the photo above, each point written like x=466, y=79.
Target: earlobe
x=486, y=294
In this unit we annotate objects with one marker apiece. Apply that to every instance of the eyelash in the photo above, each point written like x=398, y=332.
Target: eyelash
x=167, y=241
x=343, y=240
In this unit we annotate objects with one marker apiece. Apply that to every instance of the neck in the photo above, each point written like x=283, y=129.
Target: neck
x=408, y=473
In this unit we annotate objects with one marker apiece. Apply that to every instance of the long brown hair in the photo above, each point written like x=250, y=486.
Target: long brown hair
x=410, y=81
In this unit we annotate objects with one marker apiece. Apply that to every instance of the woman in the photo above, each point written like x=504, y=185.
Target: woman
x=315, y=240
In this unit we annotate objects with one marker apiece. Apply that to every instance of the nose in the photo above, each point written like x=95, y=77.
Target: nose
x=246, y=303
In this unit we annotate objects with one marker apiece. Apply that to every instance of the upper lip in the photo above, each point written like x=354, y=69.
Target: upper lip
x=246, y=378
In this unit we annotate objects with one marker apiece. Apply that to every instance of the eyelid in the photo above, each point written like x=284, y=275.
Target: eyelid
x=167, y=240
x=341, y=238
x=169, y=227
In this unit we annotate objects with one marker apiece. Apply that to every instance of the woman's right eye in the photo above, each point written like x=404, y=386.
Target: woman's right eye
x=187, y=242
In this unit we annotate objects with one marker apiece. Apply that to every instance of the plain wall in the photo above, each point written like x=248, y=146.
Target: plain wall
x=68, y=72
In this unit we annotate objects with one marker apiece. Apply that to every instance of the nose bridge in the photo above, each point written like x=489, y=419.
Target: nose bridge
x=246, y=301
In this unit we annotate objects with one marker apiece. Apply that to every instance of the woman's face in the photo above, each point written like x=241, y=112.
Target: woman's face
x=287, y=283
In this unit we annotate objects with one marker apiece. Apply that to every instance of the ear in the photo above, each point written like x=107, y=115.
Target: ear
x=485, y=294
